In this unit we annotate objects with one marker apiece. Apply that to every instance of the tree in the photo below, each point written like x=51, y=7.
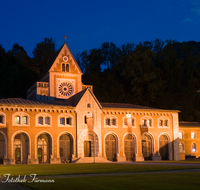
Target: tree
x=42, y=53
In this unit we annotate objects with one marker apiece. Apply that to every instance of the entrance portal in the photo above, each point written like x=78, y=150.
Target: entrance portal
x=147, y=147
x=129, y=147
x=111, y=153
x=2, y=145
x=21, y=148
x=65, y=145
x=163, y=144
x=43, y=148
x=87, y=148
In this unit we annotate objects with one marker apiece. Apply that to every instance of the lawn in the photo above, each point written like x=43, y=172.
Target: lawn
x=152, y=181
x=57, y=169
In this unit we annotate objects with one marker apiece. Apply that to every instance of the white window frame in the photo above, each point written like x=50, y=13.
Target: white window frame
x=147, y=119
x=195, y=135
x=44, y=116
x=132, y=118
x=4, y=119
x=162, y=120
x=181, y=132
x=111, y=117
x=65, y=116
x=20, y=115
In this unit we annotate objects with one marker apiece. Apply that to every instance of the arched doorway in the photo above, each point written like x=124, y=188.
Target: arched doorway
x=163, y=147
x=21, y=148
x=66, y=147
x=2, y=148
x=129, y=147
x=147, y=147
x=111, y=144
x=44, y=147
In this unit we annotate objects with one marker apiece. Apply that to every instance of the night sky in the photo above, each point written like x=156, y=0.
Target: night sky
x=89, y=23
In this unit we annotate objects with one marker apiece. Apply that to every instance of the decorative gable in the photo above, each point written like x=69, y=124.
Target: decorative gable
x=65, y=62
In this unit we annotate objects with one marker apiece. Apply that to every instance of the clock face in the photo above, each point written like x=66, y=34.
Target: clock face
x=65, y=89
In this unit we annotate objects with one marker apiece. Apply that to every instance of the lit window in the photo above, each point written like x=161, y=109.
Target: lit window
x=17, y=119
x=144, y=122
x=62, y=121
x=132, y=122
x=40, y=120
x=180, y=135
x=194, y=147
x=24, y=120
x=193, y=135
x=1, y=119
x=181, y=147
x=47, y=120
x=149, y=122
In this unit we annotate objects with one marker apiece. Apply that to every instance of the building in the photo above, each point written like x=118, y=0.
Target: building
x=189, y=139
x=62, y=121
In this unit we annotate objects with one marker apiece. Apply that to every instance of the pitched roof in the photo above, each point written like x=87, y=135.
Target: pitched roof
x=76, y=98
x=129, y=106
x=189, y=124
x=25, y=102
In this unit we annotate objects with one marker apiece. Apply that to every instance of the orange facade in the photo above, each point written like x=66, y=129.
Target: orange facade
x=62, y=121
x=189, y=140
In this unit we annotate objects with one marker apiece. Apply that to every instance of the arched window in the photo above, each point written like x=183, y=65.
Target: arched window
x=132, y=122
x=181, y=147
x=63, y=67
x=65, y=120
x=147, y=122
x=25, y=120
x=67, y=67
x=163, y=122
x=1, y=119
x=194, y=147
x=113, y=121
x=40, y=120
x=17, y=119
x=47, y=120
x=110, y=121
x=62, y=121
x=88, y=105
x=20, y=118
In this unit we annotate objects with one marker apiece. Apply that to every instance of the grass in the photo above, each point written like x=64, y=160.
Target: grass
x=162, y=181
x=58, y=169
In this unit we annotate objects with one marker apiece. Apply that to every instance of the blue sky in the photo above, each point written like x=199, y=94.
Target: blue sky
x=89, y=23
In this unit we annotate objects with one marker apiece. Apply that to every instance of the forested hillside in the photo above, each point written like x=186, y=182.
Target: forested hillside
x=153, y=73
